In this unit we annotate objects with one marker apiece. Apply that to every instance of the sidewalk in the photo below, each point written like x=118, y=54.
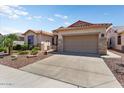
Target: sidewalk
x=14, y=78
x=111, y=55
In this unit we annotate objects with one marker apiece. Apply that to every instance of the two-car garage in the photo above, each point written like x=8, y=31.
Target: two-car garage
x=81, y=43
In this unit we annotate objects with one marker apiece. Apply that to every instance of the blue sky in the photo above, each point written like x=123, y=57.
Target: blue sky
x=21, y=18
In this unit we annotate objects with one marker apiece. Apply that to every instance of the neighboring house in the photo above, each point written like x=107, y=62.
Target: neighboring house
x=20, y=40
x=115, y=38
x=38, y=38
x=82, y=37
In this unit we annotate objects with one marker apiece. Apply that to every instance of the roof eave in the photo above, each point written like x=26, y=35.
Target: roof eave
x=86, y=27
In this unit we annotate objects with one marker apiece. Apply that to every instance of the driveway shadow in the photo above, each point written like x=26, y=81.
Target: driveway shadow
x=78, y=54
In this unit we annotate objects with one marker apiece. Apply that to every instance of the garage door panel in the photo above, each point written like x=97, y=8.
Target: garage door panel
x=83, y=43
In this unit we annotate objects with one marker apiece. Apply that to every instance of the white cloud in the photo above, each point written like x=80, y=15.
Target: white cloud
x=51, y=19
x=37, y=17
x=8, y=30
x=14, y=16
x=29, y=18
x=33, y=17
x=16, y=6
x=61, y=16
x=13, y=12
x=66, y=23
x=21, y=13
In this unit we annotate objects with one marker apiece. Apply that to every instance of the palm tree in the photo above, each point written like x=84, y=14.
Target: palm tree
x=1, y=41
x=8, y=41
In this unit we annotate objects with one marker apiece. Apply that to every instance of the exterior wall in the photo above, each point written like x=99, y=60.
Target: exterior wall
x=114, y=40
x=119, y=47
x=31, y=33
x=44, y=38
x=111, y=35
x=122, y=39
x=102, y=41
x=44, y=41
x=18, y=42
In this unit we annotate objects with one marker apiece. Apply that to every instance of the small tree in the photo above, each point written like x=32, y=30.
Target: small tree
x=8, y=41
x=1, y=41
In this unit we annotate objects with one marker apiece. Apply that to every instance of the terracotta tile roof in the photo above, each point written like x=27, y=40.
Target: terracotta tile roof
x=82, y=25
x=39, y=32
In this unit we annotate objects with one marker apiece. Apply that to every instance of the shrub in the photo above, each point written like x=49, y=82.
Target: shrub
x=23, y=52
x=2, y=49
x=17, y=47
x=21, y=47
x=34, y=51
x=36, y=48
x=25, y=47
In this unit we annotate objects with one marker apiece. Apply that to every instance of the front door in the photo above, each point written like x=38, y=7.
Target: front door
x=31, y=41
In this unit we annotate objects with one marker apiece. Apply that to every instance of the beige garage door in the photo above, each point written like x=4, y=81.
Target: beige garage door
x=81, y=43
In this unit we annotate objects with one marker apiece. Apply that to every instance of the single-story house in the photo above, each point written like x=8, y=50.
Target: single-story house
x=115, y=38
x=82, y=37
x=38, y=38
x=20, y=40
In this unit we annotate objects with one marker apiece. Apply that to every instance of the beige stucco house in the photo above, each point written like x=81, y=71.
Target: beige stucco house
x=115, y=38
x=38, y=38
x=82, y=37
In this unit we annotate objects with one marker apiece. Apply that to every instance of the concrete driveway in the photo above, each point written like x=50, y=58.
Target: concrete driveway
x=79, y=70
x=14, y=78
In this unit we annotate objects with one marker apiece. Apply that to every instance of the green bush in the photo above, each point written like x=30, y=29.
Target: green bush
x=17, y=47
x=24, y=47
x=21, y=47
x=34, y=51
x=2, y=49
x=36, y=48
x=23, y=52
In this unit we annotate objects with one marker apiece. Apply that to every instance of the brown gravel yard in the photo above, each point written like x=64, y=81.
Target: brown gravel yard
x=117, y=66
x=22, y=60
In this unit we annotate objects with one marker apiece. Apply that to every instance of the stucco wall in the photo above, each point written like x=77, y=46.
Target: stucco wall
x=114, y=38
x=122, y=39
x=102, y=41
x=44, y=38
x=119, y=47
x=38, y=38
x=30, y=33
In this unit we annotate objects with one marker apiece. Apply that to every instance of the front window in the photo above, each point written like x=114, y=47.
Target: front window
x=119, y=40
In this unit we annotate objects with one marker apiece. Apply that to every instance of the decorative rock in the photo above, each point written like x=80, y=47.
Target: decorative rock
x=14, y=57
